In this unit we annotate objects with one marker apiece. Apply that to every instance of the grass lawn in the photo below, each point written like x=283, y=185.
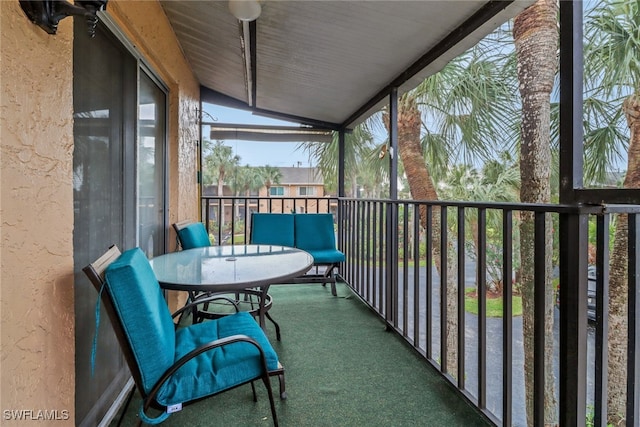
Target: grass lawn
x=494, y=305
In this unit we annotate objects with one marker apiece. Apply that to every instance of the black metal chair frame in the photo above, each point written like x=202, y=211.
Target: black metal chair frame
x=329, y=276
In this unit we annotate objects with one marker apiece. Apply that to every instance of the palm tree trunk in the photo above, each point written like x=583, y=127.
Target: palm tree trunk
x=409, y=123
x=618, y=296
x=536, y=38
x=422, y=187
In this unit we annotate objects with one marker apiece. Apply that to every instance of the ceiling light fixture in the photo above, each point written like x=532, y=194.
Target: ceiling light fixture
x=245, y=10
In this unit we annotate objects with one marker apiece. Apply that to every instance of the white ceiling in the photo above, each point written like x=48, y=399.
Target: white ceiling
x=325, y=60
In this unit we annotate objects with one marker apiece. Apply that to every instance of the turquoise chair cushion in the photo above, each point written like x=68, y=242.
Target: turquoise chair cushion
x=143, y=312
x=272, y=229
x=219, y=369
x=314, y=232
x=194, y=236
x=326, y=256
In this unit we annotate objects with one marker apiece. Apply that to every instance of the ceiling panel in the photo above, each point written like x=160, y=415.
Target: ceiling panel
x=324, y=60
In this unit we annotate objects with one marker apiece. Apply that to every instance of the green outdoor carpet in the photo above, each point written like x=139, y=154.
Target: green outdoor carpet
x=342, y=369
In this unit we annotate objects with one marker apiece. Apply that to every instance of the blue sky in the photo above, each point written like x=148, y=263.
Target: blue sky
x=279, y=154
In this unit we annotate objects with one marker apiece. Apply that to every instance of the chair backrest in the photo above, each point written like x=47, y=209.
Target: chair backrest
x=138, y=313
x=95, y=273
x=192, y=234
x=272, y=229
x=314, y=231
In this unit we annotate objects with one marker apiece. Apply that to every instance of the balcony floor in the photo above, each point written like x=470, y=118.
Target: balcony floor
x=342, y=369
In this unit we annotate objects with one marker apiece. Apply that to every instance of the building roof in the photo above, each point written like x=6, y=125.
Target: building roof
x=300, y=176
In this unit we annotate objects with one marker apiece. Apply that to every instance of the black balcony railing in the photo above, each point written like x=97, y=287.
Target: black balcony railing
x=429, y=270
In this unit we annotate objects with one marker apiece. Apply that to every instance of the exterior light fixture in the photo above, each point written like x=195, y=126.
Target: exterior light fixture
x=48, y=13
x=245, y=10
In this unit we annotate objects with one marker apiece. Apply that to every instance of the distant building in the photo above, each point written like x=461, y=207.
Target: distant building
x=300, y=190
x=295, y=182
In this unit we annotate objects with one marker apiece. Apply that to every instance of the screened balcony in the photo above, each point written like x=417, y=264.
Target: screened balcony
x=411, y=270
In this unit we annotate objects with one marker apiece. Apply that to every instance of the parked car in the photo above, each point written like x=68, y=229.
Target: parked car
x=591, y=294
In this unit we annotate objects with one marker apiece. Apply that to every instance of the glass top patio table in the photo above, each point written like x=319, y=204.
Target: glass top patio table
x=231, y=268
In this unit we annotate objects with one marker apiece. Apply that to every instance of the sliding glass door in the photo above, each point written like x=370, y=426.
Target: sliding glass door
x=119, y=197
x=151, y=166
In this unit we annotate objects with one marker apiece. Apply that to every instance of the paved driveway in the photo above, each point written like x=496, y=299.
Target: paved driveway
x=494, y=346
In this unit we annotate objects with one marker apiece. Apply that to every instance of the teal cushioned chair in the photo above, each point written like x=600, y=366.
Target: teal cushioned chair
x=176, y=367
x=272, y=229
x=314, y=233
x=192, y=235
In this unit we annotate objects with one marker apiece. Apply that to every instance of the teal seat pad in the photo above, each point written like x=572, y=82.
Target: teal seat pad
x=194, y=236
x=272, y=229
x=221, y=368
x=326, y=256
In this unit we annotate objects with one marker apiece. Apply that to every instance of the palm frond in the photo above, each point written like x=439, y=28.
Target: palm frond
x=612, y=47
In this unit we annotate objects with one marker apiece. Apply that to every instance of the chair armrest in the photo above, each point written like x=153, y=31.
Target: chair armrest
x=196, y=352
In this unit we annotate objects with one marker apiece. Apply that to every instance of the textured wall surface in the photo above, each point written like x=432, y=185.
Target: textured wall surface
x=36, y=204
x=36, y=289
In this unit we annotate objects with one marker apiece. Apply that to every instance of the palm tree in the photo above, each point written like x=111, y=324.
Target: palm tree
x=371, y=177
x=457, y=114
x=241, y=179
x=270, y=175
x=218, y=162
x=253, y=179
x=499, y=180
x=536, y=41
x=612, y=67
x=410, y=147
x=241, y=182
x=358, y=149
